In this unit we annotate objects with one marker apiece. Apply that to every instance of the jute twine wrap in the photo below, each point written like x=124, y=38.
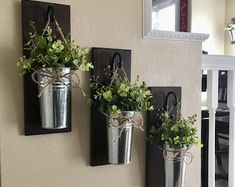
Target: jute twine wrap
x=177, y=155
x=53, y=78
x=125, y=122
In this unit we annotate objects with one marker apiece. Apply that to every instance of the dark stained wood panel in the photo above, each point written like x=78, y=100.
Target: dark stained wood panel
x=102, y=58
x=38, y=12
x=154, y=176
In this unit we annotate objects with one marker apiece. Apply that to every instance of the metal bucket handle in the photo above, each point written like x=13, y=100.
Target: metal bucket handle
x=116, y=66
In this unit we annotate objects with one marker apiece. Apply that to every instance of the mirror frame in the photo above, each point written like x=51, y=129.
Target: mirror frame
x=168, y=35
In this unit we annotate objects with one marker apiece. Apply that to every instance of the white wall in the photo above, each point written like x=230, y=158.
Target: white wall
x=229, y=14
x=208, y=17
x=60, y=160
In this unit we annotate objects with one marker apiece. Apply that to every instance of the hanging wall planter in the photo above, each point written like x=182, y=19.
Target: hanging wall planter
x=232, y=36
x=101, y=59
x=230, y=27
x=52, y=61
x=175, y=135
x=120, y=100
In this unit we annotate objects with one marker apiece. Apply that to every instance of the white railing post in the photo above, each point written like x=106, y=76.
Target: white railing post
x=213, y=63
x=212, y=103
x=231, y=105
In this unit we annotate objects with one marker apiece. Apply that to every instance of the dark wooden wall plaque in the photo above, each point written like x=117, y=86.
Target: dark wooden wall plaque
x=101, y=59
x=154, y=176
x=38, y=12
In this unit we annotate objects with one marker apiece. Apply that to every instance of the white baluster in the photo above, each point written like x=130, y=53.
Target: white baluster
x=212, y=103
x=231, y=105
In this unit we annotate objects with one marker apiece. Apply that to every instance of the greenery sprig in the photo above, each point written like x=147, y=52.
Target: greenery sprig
x=176, y=134
x=229, y=27
x=121, y=95
x=46, y=50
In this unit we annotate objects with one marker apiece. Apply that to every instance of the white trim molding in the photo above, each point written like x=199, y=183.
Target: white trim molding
x=166, y=35
x=214, y=63
x=218, y=62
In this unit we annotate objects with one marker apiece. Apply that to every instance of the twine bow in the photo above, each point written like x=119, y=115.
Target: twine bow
x=53, y=78
x=125, y=121
x=178, y=155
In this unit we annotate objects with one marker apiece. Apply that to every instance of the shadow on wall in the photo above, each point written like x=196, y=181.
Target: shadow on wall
x=81, y=117
x=10, y=81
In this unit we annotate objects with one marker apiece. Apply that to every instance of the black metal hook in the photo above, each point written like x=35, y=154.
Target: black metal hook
x=175, y=102
x=50, y=13
x=118, y=64
x=233, y=20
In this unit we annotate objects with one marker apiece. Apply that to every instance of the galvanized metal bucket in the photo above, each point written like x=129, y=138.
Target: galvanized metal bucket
x=55, y=99
x=232, y=36
x=175, y=165
x=120, y=135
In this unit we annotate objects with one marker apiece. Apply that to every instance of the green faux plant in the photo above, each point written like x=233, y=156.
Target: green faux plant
x=229, y=27
x=46, y=51
x=121, y=95
x=177, y=134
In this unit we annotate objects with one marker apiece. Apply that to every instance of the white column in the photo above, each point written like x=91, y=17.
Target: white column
x=231, y=105
x=212, y=103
